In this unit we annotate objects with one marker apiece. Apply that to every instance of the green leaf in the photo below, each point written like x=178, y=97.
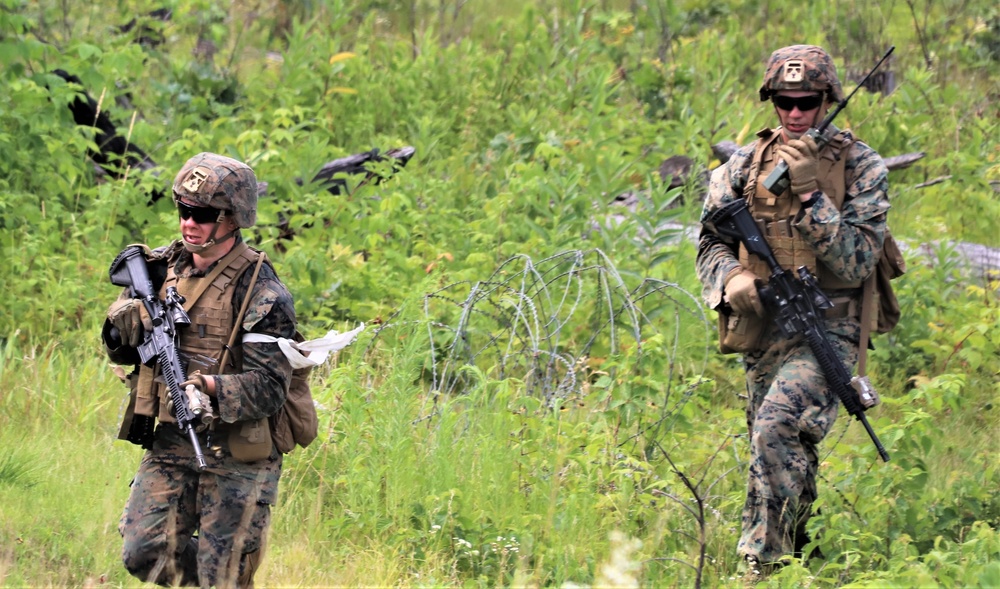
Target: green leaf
x=87, y=51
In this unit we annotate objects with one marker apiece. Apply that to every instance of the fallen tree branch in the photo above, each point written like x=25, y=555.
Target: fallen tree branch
x=725, y=149
x=937, y=180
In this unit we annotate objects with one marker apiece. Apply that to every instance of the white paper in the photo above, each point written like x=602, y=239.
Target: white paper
x=308, y=353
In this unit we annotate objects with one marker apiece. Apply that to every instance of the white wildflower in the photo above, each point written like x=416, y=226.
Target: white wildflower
x=620, y=570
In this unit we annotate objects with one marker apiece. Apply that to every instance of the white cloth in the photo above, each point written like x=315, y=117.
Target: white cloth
x=309, y=353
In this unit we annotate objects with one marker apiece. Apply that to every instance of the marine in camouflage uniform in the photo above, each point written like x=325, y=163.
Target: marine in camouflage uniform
x=183, y=526
x=832, y=221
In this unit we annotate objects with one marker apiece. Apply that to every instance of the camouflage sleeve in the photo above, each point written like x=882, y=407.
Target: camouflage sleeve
x=849, y=241
x=260, y=390
x=716, y=255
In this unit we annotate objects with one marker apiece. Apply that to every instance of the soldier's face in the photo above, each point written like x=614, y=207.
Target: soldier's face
x=196, y=223
x=789, y=105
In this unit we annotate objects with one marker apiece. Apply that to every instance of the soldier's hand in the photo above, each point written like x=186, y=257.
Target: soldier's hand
x=198, y=380
x=802, y=157
x=199, y=402
x=195, y=379
x=741, y=290
x=130, y=318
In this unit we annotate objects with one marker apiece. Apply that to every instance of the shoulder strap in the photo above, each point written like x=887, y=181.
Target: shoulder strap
x=867, y=308
x=765, y=138
x=836, y=174
x=243, y=308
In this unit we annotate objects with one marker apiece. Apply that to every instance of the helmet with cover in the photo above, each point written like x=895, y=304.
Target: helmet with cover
x=801, y=67
x=219, y=182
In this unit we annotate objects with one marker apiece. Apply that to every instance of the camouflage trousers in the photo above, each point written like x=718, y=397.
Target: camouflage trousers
x=227, y=504
x=790, y=411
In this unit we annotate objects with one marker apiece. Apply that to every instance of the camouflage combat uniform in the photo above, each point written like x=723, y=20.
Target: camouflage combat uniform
x=182, y=526
x=790, y=408
x=228, y=504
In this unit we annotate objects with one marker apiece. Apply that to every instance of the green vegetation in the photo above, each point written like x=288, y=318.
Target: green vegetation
x=528, y=118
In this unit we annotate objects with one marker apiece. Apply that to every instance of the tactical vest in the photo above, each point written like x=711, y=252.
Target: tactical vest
x=775, y=214
x=209, y=304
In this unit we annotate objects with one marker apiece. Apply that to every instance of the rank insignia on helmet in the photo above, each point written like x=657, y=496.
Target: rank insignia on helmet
x=196, y=179
x=793, y=71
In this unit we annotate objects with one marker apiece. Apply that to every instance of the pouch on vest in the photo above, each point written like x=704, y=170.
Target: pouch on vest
x=890, y=266
x=137, y=429
x=250, y=441
x=739, y=334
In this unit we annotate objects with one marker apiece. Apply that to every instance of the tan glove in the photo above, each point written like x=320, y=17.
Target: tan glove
x=802, y=157
x=198, y=400
x=741, y=290
x=196, y=379
x=130, y=318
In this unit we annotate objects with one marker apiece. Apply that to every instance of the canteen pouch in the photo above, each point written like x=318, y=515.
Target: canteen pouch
x=296, y=423
x=250, y=441
x=739, y=334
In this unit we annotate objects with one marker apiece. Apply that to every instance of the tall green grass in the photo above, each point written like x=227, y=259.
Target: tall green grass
x=63, y=484
x=494, y=490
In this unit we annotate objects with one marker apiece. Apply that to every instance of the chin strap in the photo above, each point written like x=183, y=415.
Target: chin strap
x=203, y=248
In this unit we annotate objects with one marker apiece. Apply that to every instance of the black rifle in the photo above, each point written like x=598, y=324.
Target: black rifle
x=777, y=181
x=797, y=305
x=129, y=270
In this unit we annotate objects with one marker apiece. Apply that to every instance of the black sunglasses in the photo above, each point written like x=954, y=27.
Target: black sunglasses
x=805, y=103
x=201, y=215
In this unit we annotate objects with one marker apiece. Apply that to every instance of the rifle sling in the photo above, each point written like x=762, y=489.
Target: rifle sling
x=243, y=308
x=867, y=308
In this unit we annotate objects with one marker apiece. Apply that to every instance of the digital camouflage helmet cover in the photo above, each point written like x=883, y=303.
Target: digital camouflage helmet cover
x=801, y=67
x=219, y=182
